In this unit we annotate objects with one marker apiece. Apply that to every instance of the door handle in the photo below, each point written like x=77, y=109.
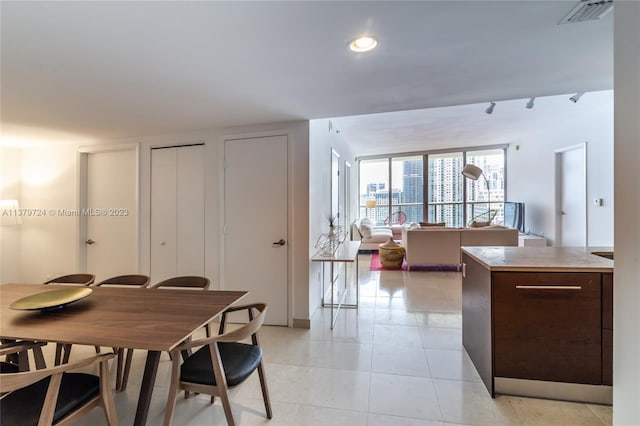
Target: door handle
x=89, y=241
x=549, y=287
x=280, y=242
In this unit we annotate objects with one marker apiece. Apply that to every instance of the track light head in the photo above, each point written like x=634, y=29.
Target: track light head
x=529, y=105
x=575, y=98
x=489, y=109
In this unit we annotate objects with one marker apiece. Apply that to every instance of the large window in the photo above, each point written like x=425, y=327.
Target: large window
x=482, y=192
x=445, y=191
x=430, y=187
x=374, y=189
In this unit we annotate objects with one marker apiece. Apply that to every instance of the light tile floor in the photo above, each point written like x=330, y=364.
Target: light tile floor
x=397, y=360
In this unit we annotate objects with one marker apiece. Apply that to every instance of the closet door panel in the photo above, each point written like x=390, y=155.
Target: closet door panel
x=190, y=213
x=163, y=213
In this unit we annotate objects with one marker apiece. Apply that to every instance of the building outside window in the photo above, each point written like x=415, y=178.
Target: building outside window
x=402, y=184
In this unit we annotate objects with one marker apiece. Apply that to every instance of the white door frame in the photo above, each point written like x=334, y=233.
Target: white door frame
x=347, y=197
x=81, y=196
x=336, y=191
x=291, y=235
x=558, y=196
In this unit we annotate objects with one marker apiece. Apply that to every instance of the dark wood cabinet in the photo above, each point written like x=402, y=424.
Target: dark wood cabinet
x=607, y=329
x=547, y=326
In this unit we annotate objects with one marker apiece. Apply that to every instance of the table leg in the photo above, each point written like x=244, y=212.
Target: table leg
x=332, y=290
x=146, y=390
x=357, y=281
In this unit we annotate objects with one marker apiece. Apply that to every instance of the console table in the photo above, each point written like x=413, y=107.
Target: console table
x=347, y=252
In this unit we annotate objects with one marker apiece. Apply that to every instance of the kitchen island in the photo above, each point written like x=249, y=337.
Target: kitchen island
x=538, y=321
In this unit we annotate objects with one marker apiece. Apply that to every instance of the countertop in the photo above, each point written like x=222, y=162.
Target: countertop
x=540, y=259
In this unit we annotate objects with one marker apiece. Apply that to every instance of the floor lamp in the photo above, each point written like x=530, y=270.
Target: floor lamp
x=473, y=172
x=371, y=204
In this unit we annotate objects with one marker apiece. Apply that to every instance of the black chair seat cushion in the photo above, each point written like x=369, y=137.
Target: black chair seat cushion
x=23, y=406
x=239, y=360
x=7, y=367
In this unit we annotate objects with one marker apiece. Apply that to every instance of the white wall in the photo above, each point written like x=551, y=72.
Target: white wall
x=10, y=160
x=530, y=169
x=50, y=180
x=626, y=311
x=49, y=242
x=321, y=141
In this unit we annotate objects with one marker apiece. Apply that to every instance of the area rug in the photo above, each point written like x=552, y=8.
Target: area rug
x=376, y=266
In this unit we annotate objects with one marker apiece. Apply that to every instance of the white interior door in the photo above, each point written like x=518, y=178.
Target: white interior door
x=177, y=212
x=110, y=213
x=164, y=169
x=572, y=197
x=255, y=221
x=190, y=211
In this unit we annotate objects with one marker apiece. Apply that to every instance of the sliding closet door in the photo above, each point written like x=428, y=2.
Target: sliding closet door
x=177, y=212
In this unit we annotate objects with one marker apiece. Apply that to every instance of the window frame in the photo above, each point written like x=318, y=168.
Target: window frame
x=425, y=172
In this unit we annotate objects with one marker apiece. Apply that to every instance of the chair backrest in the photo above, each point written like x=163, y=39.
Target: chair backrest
x=58, y=405
x=134, y=280
x=185, y=281
x=78, y=279
x=396, y=218
x=249, y=329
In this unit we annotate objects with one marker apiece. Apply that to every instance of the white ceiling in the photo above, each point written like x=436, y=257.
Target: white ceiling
x=110, y=70
x=466, y=125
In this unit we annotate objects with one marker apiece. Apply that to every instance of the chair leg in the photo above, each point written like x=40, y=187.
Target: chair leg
x=67, y=353
x=226, y=404
x=265, y=390
x=106, y=396
x=173, y=391
x=58, y=358
x=127, y=368
x=39, y=358
x=119, y=364
x=23, y=361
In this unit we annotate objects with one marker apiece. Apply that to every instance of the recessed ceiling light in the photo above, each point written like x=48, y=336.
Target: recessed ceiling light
x=363, y=44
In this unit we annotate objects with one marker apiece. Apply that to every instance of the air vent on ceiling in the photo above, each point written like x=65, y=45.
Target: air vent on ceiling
x=588, y=10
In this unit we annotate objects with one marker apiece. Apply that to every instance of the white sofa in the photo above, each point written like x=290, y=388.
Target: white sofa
x=441, y=246
x=371, y=236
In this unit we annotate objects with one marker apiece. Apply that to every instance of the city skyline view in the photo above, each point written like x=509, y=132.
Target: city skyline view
x=445, y=188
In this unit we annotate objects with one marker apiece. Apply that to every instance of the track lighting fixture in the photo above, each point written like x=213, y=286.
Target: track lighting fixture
x=529, y=105
x=489, y=110
x=575, y=98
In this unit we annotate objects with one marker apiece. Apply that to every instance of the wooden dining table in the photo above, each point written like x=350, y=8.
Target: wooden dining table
x=154, y=320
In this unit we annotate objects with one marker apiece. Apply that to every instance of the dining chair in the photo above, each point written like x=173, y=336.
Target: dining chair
x=76, y=279
x=124, y=366
x=63, y=351
x=187, y=281
x=134, y=280
x=53, y=396
x=222, y=363
x=18, y=356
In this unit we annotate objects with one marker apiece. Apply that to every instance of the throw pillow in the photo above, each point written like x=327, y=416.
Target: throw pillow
x=366, y=229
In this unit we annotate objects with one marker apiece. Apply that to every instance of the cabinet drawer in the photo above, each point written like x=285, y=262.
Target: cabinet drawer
x=547, y=326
